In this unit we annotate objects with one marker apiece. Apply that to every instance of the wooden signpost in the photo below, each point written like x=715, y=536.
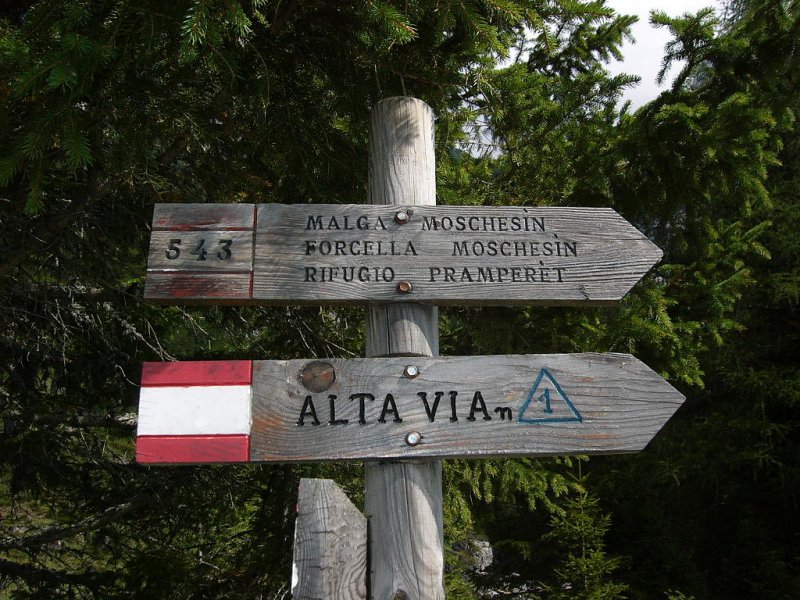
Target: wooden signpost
x=391, y=408
x=355, y=253
x=403, y=409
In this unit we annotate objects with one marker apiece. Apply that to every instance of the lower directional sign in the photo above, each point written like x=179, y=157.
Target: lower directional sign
x=380, y=408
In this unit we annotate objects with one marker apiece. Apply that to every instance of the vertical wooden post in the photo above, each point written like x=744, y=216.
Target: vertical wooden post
x=403, y=500
x=330, y=545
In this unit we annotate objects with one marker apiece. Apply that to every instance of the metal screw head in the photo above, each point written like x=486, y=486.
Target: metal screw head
x=402, y=217
x=404, y=287
x=413, y=438
x=410, y=372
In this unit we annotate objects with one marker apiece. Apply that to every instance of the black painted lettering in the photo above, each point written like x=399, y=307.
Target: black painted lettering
x=389, y=407
x=465, y=276
x=379, y=224
x=314, y=222
x=478, y=404
x=504, y=412
x=559, y=270
x=429, y=223
x=453, y=415
x=448, y=274
x=362, y=223
x=485, y=274
x=431, y=411
x=434, y=272
x=339, y=248
x=308, y=411
x=409, y=249
x=362, y=398
x=311, y=274
x=460, y=249
x=332, y=406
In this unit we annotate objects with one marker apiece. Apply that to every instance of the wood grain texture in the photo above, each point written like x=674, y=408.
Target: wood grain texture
x=404, y=501
x=225, y=251
x=198, y=288
x=330, y=545
x=569, y=256
x=201, y=254
x=188, y=217
x=337, y=254
x=402, y=330
x=620, y=401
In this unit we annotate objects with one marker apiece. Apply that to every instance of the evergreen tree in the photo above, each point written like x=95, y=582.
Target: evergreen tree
x=108, y=107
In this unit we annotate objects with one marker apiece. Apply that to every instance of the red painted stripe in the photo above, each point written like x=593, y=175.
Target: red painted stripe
x=192, y=449
x=197, y=372
x=177, y=286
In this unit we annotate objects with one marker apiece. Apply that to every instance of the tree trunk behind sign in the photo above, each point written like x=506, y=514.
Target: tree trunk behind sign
x=403, y=500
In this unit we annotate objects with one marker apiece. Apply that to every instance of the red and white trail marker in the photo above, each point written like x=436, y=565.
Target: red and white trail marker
x=195, y=412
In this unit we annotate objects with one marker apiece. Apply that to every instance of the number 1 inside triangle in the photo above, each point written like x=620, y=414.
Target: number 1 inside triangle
x=547, y=402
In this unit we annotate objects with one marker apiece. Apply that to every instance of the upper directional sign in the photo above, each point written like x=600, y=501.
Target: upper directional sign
x=381, y=408
x=343, y=254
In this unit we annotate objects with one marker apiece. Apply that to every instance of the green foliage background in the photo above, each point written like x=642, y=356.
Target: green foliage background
x=109, y=106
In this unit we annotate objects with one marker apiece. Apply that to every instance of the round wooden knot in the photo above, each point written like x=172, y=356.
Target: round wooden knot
x=317, y=376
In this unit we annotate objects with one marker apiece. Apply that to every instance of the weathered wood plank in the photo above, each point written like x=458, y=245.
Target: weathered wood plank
x=330, y=544
x=187, y=217
x=516, y=405
x=201, y=254
x=449, y=255
x=404, y=501
x=198, y=288
x=201, y=251
x=336, y=254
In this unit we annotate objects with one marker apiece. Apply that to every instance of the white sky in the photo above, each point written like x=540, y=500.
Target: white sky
x=644, y=57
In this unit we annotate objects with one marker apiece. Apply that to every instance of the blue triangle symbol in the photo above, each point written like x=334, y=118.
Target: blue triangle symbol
x=548, y=403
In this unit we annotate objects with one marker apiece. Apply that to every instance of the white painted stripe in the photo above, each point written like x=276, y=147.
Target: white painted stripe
x=209, y=410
